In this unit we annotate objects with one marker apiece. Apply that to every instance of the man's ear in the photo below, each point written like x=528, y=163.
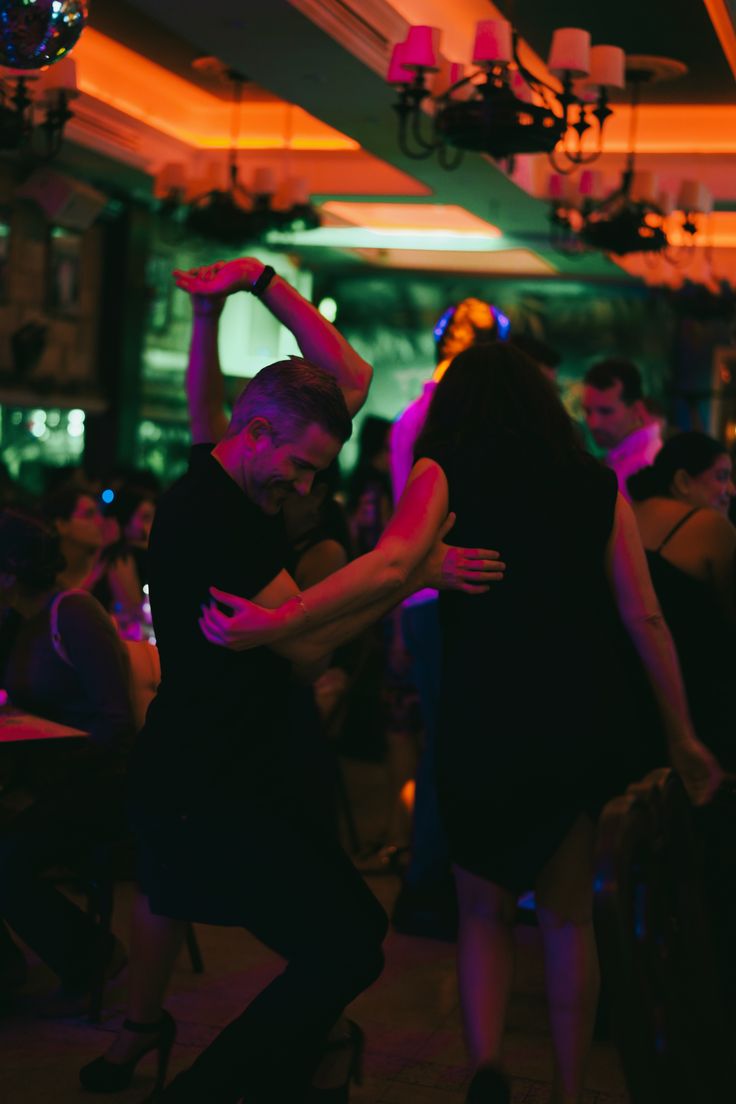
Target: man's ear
x=257, y=429
x=639, y=412
x=681, y=482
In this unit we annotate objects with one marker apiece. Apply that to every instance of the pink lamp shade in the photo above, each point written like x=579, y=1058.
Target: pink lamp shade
x=569, y=54
x=666, y=203
x=694, y=196
x=644, y=187
x=397, y=71
x=422, y=47
x=607, y=67
x=520, y=88
x=590, y=184
x=492, y=42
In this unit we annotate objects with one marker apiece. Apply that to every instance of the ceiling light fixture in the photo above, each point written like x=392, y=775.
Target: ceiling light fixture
x=237, y=214
x=502, y=108
x=634, y=217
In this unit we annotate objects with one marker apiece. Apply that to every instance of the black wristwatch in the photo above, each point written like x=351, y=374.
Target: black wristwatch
x=260, y=285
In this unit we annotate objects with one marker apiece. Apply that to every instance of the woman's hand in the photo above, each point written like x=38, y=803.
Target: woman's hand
x=699, y=770
x=221, y=278
x=467, y=569
x=247, y=626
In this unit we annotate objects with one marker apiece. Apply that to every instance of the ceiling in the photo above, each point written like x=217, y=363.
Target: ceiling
x=328, y=58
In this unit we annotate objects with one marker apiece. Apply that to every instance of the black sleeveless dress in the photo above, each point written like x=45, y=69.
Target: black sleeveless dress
x=706, y=646
x=546, y=711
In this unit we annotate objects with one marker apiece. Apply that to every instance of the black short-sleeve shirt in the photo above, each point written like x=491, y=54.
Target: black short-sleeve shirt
x=218, y=719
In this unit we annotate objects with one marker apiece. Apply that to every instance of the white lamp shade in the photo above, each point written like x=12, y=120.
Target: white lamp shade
x=569, y=54
x=492, y=42
x=666, y=203
x=296, y=191
x=264, y=181
x=171, y=178
x=644, y=187
x=397, y=71
x=607, y=67
x=422, y=47
x=694, y=196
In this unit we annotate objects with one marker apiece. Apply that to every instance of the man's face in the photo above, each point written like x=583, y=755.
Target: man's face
x=272, y=471
x=609, y=418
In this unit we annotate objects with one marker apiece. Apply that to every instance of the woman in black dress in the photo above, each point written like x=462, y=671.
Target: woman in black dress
x=547, y=710
x=681, y=507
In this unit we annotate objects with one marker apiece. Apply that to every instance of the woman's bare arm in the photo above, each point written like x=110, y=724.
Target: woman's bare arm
x=641, y=614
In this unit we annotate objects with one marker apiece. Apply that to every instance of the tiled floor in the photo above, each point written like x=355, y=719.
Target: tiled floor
x=415, y=1052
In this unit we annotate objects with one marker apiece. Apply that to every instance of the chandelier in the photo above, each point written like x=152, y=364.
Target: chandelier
x=635, y=217
x=237, y=214
x=37, y=77
x=34, y=108
x=501, y=107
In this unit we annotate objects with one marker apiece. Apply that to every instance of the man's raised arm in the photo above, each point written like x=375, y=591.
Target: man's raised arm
x=317, y=338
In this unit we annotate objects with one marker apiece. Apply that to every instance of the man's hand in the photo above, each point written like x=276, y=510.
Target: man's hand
x=221, y=278
x=698, y=768
x=247, y=626
x=467, y=569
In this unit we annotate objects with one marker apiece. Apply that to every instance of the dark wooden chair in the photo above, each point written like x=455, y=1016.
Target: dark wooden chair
x=656, y=948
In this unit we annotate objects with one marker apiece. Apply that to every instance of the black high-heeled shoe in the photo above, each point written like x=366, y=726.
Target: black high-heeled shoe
x=489, y=1086
x=355, y=1041
x=104, y=1076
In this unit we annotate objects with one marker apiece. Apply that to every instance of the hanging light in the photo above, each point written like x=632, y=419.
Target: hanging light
x=636, y=217
x=501, y=107
x=34, y=108
x=238, y=213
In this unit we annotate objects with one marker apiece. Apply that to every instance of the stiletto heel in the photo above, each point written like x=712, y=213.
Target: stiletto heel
x=355, y=1041
x=104, y=1076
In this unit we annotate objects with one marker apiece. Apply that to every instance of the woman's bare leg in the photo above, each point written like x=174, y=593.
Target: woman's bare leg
x=155, y=944
x=485, y=962
x=565, y=912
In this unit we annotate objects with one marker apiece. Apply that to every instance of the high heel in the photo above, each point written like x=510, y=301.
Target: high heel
x=104, y=1076
x=489, y=1086
x=355, y=1041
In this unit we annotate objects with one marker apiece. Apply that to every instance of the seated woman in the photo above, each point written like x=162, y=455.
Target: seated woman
x=61, y=659
x=681, y=506
x=74, y=513
x=124, y=564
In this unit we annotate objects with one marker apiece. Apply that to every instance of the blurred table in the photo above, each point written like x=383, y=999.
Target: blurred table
x=17, y=726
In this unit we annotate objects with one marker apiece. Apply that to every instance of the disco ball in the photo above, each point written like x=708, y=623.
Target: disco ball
x=35, y=33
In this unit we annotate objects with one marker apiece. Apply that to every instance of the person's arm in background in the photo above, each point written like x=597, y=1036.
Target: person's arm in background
x=98, y=657
x=317, y=338
x=642, y=617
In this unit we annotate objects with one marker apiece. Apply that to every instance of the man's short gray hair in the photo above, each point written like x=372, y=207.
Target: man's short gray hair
x=291, y=394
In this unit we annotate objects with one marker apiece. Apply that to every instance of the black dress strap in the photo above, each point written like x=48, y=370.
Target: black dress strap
x=686, y=517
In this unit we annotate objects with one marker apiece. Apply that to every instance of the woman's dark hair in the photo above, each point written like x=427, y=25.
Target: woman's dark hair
x=62, y=502
x=496, y=392
x=29, y=550
x=691, y=452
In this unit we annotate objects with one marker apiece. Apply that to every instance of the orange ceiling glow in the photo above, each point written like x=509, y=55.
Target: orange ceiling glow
x=674, y=128
x=419, y=217
x=130, y=83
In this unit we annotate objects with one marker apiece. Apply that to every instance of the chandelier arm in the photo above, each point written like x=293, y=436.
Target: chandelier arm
x=450, y=162
x=420, y=154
